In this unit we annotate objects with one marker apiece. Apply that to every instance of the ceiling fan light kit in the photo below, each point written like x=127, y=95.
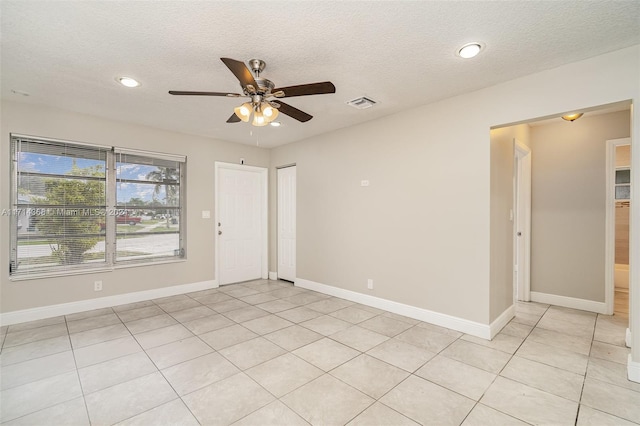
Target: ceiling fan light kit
x=260, y=91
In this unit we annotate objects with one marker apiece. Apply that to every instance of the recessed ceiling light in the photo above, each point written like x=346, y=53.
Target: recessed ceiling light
x=276, y=123
x=469, y=50
x=128, y=81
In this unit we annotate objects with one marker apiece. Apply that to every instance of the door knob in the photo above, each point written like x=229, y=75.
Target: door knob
x=519, y=234
x=219, y=232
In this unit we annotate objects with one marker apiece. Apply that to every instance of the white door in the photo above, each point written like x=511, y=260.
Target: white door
x=522, y=223
x=287, y=223
x=240, y=224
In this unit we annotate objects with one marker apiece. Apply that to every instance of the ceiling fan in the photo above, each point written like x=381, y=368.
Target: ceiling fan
x=261, y=92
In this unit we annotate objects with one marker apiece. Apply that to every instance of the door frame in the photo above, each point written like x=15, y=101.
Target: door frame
x=264, y=185
x=522, y=220
x=610, y=224
x=277, y=236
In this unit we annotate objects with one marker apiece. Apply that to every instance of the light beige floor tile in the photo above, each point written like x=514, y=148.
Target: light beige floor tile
x=228, y=336
x=140, y=313
x=33, y=324
x=179, y=305
x=359, y=338
x=171, y=413
x=293, y=337
x=574, y=316
x=182, y=350
x=227, y=401
x=327, y=401
x=572, y=343
x=491, y=360
x=353, y=315
x=204, y=325
x=555, y=357
x=402, y=318
x=426, y=339
x=197, y=373
x=88, y=314
x=380, y=415
x=481, y=415
x=284, y=374
x=428, y=403
x=34, y=350
x=93, y=322
x=190, y=314
x=305, y=298
x=527, y=318
x=171, y=299
x=459, y=377
x=128, y=399
x=533, y=308
x=228, y=305
x=370, y=375
x=266, y=324
x=150, y=323
x=22, y=400
x=326, y=306
x=501, y=342
x=200, y=293
x=299, y=315
x=590, y=417
x=99, y=335
x=276, y=305
x=612, y=399
x=256, y=299
x=101, y=352
x=274, y=414
x=252, y=352
x=34, y=334
x=544, y=377
x=245, y=314
x=162, y=336
x=134, y=305
x=36, y=369
x=115, y=371
x=283, y=293
x=609, y=352
x=611, y=372
x=212, y=299
x=326, y=325
x=529, y=404
x=326, y=354
x=70, y=413
x=610, y=329
x=384, y=325
x=517, y=330
x=238, y=290
x=401, y=354
x=437, y=328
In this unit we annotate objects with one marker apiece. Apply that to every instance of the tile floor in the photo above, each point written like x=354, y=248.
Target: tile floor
x=267, y=353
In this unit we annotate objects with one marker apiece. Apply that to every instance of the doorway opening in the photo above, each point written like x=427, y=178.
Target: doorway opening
x=522, y=222
x=287, y=223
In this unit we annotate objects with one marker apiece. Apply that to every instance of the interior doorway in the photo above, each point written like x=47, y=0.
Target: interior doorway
x=241, y=223
x=287, y=223
x=522, y=222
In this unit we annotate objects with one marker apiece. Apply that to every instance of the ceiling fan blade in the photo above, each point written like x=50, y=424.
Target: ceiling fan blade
x=234, y=118
x=307, y=89
x=293, y=112
x=240, y=70
x=180, y=92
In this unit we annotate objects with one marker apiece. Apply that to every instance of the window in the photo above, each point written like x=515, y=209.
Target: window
x=79, y=206
x=623, y=184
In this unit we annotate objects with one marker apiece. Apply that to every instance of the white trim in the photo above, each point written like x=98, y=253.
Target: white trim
x=459, y=324
x=151, y=154
x=504, y=318
x=264, y=181
x=522, y=155
x=273, y=276
x=569, y=302
x=633, y=370
x=627, y=338
x=610, y=223
x=15, y=317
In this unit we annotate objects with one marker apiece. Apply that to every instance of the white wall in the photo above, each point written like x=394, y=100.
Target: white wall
x=201, y=154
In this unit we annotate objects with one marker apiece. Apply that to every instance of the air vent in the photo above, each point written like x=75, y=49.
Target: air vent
x=361, y=103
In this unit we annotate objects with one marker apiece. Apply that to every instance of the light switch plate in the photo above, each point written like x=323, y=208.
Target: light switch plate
x=364, y=183
x=206, y=214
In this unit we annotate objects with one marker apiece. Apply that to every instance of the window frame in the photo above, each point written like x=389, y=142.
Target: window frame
x=110, y=233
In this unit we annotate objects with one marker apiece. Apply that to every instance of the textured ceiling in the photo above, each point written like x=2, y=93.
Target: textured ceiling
x=399, y=53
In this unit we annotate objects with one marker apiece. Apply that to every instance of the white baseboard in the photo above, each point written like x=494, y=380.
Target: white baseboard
x=273, y=276
x=502, y=320
x=627, y=338
x=569, y=302
x=459, y=324
x=15, y=317
x=633, y=370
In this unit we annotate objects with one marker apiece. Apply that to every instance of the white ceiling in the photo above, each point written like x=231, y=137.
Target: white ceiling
x=399, y=53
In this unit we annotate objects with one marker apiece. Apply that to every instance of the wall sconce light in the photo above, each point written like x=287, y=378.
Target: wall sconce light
x=572, y=117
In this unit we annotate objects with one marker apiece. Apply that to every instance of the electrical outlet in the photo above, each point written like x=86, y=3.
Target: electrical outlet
x=97, y=285
x=370, y=284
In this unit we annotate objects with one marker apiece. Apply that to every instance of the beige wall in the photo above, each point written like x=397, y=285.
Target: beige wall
x=201, y=154
x=502, y=204
x=569, y=204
